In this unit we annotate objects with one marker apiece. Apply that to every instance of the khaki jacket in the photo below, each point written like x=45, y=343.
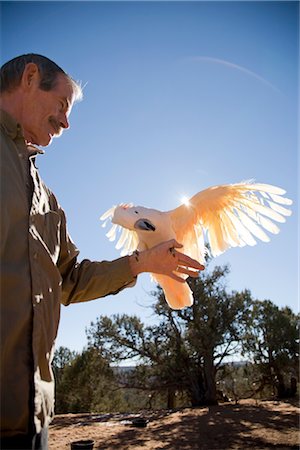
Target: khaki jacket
x=39, y=271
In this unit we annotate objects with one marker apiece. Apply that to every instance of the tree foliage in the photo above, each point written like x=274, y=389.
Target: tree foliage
x=182, y=352
x=272, y=343
x=86, y=383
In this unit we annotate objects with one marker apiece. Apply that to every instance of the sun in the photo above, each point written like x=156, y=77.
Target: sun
x=185, y=200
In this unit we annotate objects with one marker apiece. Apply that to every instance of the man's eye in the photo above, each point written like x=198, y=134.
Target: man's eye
x=62, y=105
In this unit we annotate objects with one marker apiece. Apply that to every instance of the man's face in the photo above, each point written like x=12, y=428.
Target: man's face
x=45, y=113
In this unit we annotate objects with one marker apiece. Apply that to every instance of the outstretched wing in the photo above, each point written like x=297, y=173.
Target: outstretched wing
x=128, y=240
x=231, y=215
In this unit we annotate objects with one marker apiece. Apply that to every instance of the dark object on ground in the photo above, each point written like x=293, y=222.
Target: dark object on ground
x=82, y=445
x=139, y=422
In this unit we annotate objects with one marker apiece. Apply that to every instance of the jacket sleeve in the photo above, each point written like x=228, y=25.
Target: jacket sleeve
x=88, y=280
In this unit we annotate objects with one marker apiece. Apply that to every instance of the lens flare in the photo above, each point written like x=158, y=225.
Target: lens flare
x=185, y=200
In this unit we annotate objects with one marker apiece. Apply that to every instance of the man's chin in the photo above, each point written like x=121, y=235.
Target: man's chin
x=42, y=141
x=45, y=142
x=50, y=139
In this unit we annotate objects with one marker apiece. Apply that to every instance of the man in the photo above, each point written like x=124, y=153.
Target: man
x=39, y=267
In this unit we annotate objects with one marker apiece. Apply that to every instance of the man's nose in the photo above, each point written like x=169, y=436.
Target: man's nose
x=64, y=123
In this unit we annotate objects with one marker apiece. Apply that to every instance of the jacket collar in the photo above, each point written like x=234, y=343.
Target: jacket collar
x=10, y=126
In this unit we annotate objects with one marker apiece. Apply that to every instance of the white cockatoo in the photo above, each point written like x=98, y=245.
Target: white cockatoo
x=227, y=216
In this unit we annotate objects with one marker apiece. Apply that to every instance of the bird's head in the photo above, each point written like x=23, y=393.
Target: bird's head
x=135, y=218
x=140, y=227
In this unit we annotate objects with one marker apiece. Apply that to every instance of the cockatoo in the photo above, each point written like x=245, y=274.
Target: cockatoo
x=227, y=216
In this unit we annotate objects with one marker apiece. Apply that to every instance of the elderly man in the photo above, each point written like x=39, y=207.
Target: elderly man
x=39, y=267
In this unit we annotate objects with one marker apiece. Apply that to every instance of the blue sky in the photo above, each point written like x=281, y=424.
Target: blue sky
x=178, y=96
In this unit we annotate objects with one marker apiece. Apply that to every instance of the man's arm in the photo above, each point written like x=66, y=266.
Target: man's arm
x=88, y=280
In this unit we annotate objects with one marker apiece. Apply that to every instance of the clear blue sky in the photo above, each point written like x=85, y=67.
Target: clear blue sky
x=179, y=96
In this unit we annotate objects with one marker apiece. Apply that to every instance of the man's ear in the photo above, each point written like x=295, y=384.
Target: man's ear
x=30, y=77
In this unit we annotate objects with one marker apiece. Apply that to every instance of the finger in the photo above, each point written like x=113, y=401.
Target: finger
x=183, y=258
x=176, y=244
x=187, y=271
x=176, y=277
x=186, y=261
x=172, y=243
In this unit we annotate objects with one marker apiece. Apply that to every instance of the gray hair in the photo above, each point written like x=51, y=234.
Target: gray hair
x=12, y=71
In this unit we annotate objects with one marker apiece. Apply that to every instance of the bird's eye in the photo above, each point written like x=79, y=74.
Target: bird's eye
x=136, y=212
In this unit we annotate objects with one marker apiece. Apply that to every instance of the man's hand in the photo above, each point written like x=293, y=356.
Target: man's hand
x=164, y=259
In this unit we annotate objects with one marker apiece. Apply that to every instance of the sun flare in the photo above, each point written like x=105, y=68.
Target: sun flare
x=185, y=200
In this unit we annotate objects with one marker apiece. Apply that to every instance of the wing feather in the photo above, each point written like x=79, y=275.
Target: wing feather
x=127, y=245
x=108, y=214
x=112, y=232
x=281, y=200
x=264, y=210
x=231, y=238
x=234, y=215
x=243, y=235
x=122, y=239
x=253, y=227
x=268, y=225
x=128, y=240
x=130, y=244
x=262, y=187
x=280, y=209
x=216, y=237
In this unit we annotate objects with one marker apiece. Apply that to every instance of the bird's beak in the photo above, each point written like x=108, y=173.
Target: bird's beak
x=144, y=224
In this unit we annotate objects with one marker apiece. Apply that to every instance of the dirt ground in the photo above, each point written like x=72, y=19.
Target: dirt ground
x=247, y=425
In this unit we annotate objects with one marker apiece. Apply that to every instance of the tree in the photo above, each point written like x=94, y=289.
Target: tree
x=87, y=384
x=183, y=351
x=212, y=330
x=272, y=343
x=124, y=337
x=63, y=357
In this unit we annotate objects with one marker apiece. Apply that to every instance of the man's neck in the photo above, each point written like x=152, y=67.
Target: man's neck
x=10, y=103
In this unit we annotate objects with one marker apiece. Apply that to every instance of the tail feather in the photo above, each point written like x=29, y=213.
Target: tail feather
x=178, y=295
